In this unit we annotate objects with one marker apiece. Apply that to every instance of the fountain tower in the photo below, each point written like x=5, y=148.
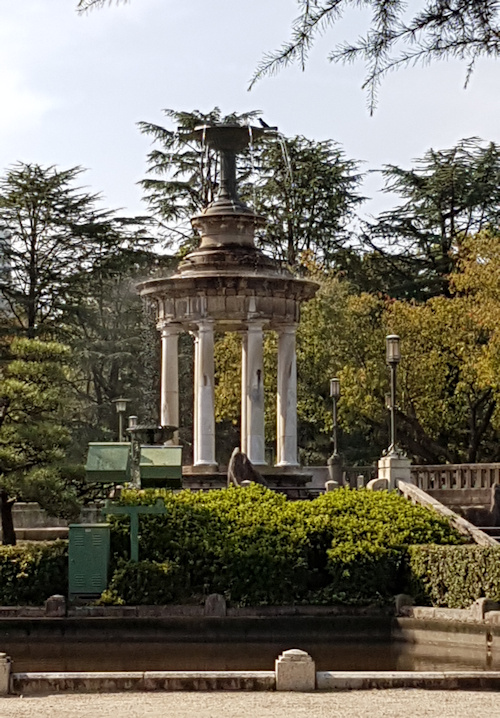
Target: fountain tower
x=228, y=284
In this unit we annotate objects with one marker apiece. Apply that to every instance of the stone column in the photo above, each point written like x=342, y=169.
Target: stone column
x=287, y=398
x=204, y=411
x=169, y=400
x=244, y=373
x=253, y=394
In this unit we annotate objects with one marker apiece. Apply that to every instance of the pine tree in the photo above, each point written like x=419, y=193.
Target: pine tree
x=52, y=231
x=33, y=402
x=447, y=196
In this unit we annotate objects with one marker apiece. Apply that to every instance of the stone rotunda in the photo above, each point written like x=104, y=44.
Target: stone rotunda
x=227, y=284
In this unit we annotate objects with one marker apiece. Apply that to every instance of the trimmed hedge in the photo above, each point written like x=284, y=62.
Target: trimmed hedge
x=145, y=583
x=453, y=576
x=31, y=572
x=255, y=547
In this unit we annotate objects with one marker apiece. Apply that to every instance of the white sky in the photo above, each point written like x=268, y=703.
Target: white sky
x=72, y=88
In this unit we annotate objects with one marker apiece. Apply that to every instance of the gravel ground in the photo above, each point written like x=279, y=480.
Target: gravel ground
x=356, y=704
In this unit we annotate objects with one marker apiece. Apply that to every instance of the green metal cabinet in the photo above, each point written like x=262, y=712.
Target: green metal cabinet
x=161, y=466
x=88, y=559
x=108, y=462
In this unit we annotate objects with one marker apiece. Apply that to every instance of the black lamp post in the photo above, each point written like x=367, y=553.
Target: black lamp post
x=121, y=408
x=393, y=357
x=335, y=460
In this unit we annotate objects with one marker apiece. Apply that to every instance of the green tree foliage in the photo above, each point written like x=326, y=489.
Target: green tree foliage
x=447, y=397
x=104, y=323
x=307, y=192
x=33, y=402
x=341, y=334
x=447, y=196
x=54, y=230
x=397, y=35
x=445, y=406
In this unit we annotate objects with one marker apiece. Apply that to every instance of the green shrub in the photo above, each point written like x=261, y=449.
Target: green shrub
x=31, y=572
x=362, y=572
x=145, y=583
x=255, y=547
x=453, y=576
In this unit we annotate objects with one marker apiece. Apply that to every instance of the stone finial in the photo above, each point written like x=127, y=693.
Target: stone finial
x=295, y=671
x=5, y=666
x=331, y=485
x=377, y=485
x=215, y=605
x=55, y=606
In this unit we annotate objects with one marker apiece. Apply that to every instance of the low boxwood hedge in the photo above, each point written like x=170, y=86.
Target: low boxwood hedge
x=255, y=547
x=453, y=576
x=31, y=572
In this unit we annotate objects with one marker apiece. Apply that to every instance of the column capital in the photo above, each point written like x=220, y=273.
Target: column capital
x=254, y=325
x=205, y=325
x=286, y=328
x=168, y=328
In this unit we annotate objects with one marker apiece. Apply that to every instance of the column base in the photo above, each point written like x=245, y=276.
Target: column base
x=205, y=467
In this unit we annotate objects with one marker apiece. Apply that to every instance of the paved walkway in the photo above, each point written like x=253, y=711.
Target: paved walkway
x=355, y=704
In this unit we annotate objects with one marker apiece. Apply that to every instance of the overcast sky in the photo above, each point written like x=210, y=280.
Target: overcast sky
x=73, y=87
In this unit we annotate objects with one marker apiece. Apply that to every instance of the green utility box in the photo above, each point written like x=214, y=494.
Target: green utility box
x=88, y=559
x=108, y=462
x=161, y=466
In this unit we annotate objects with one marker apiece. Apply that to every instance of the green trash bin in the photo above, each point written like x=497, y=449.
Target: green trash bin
x=88, y=555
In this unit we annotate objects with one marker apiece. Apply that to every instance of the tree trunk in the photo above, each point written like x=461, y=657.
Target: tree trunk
x=8, y=533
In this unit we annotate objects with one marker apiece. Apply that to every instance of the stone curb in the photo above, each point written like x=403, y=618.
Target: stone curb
x=428, y=680
x=109, y=682
x=80, y=682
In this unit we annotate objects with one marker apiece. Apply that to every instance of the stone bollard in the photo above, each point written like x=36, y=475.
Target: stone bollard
x=5, y=666
x=295, y=671
x=331, y=485
x=481, y=606
x=55, y=606
x=215, y=605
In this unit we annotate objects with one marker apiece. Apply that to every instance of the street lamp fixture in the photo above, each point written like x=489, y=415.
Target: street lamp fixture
x=335, y=460
x=335, y=394
x=393, y=357
x=393, y=349
x=121, y=408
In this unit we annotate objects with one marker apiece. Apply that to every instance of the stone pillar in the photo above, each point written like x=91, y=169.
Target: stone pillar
x=287, y=398
x=5, y=667
x=244, y=374
x=295, y=671
x=253, y=401
x=169, y=400
x=394, y=467
x=204, y=411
